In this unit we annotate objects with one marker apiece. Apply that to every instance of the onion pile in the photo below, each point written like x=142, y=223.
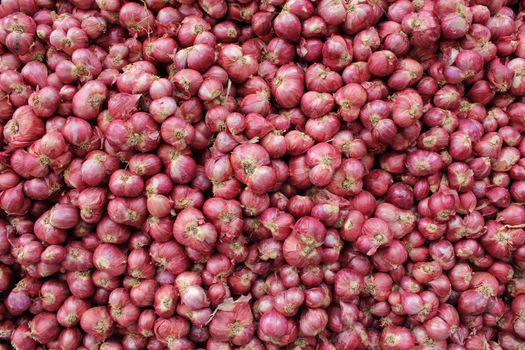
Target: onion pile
x=256, y=175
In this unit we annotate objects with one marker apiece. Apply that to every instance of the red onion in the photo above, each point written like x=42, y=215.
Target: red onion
x=110, y=259
x=273, y=327
x=97, y=322
x=71, y=310
x=397, y=338
x=44, y=327
x=233, y=322
x=171, y=171
x=313, y=321
x=136, y=19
